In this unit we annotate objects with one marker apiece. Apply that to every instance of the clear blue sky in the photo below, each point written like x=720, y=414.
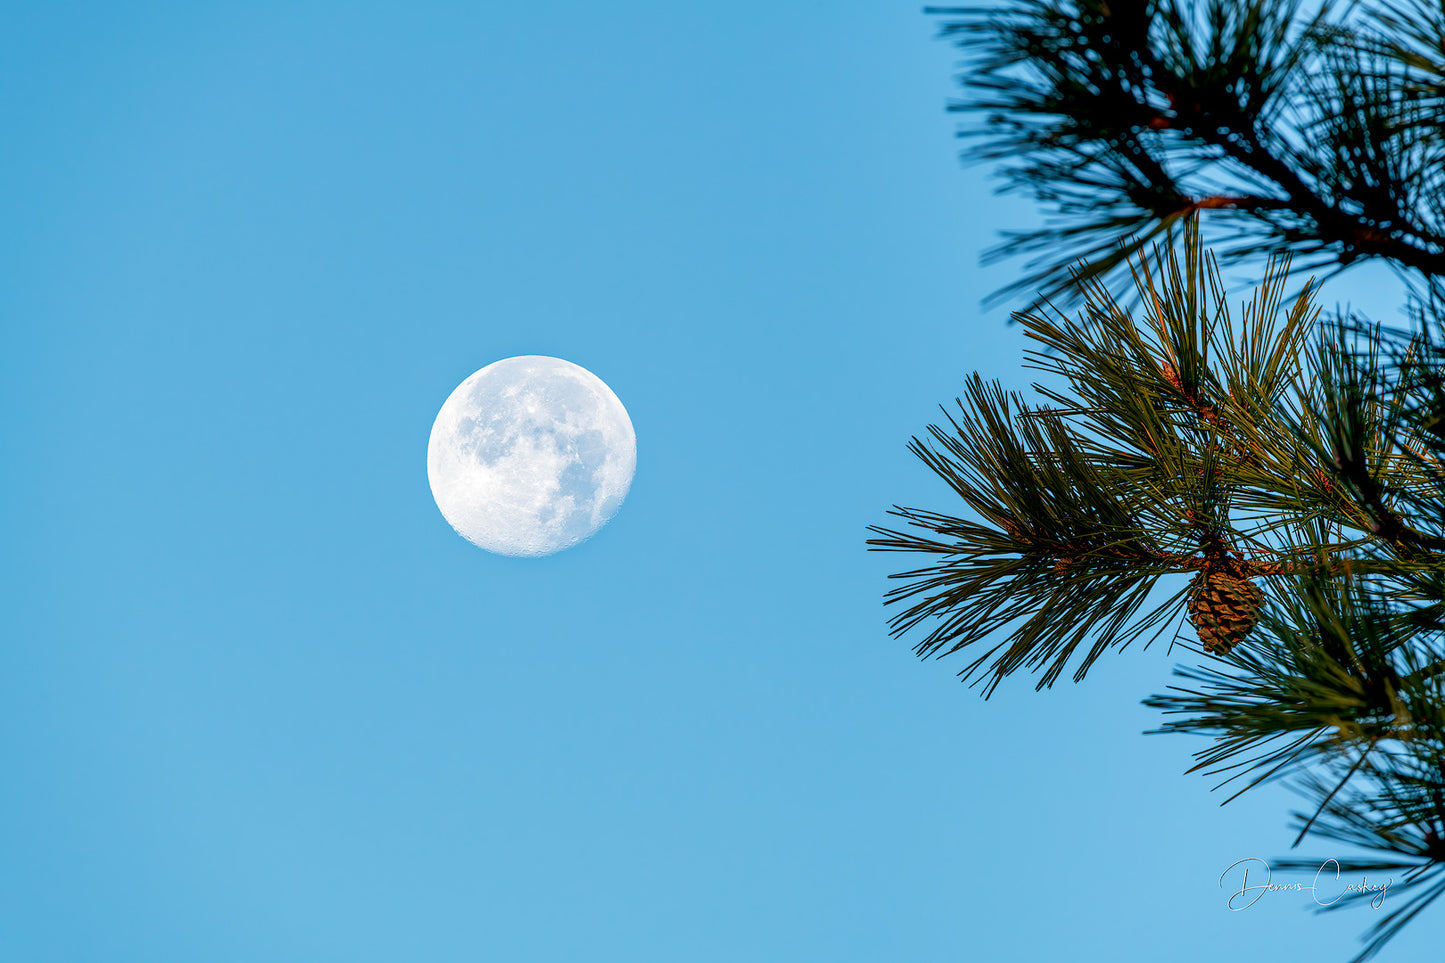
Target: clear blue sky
x=258, y=702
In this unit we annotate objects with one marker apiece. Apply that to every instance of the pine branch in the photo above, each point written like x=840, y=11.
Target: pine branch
x=1061, y=553
x=1367, y=444
x=1131, y=476
x=1395, y=807
x=1332, y=666
x=1126, y=117
x=1295, y=472
x=1407, y=34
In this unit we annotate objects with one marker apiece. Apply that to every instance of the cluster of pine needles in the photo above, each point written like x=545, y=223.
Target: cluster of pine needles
x=1268, y=482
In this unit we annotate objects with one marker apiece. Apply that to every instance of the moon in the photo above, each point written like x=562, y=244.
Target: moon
x=530, y=455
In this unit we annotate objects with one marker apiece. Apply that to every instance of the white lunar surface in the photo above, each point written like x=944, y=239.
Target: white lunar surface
x=530, y=455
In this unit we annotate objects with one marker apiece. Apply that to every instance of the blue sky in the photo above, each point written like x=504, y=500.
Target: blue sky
x=258, y=702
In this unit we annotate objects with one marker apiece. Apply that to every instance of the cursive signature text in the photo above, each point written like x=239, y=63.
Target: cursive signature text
x=1253, y=891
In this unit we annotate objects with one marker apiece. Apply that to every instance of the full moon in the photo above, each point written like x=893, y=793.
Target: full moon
x=530, y=455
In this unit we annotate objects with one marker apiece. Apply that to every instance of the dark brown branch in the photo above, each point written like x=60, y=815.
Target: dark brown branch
x=1239, y=139
x=1384, y=522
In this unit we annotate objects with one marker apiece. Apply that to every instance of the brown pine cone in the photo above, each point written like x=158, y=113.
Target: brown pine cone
x=1224, y=608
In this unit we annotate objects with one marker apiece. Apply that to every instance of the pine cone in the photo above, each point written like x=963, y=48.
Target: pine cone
x=1223, y=607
